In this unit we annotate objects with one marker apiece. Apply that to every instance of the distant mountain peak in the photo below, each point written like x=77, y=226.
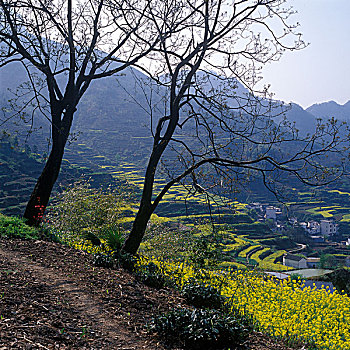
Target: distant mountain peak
x=330, y=109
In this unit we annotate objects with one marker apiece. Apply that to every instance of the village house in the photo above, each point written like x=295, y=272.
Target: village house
x=313, y=263
x=272, y=213
x=312, y=227
x=295, y=261
x=328, y=228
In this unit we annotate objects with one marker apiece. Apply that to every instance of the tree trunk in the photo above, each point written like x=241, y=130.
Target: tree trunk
x=146, y=209
x=41, y=194
x=138, y=229
x=42, y=191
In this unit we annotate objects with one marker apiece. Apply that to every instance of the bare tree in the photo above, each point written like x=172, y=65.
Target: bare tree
x=211, y=125
x=64, y=45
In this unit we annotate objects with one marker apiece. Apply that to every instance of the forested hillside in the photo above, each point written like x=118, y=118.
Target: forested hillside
x=20, y=168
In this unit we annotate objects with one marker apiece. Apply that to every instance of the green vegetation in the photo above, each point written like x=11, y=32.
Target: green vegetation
x=19, y=170
x=84, y=213
x=200, y=329
x=256, y=255
x=269, y=262
x=189, y=268
x=201, y=295
x=151, y=275
x=12, y=227
x=245, y=252
x=180, y=244
x=326, y=212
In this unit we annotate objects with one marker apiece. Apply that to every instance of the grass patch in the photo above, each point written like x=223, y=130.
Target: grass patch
x=14, y=227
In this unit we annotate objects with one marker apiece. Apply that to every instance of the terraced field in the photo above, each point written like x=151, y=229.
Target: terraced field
x=323, y=204
x=328, y=203
x=259, y=255
x=242, y=241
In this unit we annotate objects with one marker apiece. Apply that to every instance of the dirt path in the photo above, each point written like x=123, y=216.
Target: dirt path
x=56, y=282
x=64, y=306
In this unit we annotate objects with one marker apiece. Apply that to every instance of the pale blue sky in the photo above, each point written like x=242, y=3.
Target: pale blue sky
x=321, y=72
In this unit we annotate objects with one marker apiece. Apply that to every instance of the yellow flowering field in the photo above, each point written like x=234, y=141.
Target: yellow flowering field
x=282, y=310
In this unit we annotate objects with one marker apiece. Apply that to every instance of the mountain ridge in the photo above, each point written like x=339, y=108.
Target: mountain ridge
x=119, y=105
x=330, y=109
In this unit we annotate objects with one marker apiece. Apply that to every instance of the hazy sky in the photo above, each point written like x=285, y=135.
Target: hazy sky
x=321, y=72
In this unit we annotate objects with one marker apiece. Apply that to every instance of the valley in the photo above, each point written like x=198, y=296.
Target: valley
x=163, y=187
x=110, y=144
x=243, y=235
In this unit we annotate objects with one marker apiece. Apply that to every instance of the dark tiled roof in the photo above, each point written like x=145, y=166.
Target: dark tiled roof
x=293, y=257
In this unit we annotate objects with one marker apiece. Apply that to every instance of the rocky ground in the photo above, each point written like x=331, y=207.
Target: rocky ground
x=53, y=297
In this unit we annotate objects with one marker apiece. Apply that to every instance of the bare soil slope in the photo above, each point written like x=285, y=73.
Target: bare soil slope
x=52, y=297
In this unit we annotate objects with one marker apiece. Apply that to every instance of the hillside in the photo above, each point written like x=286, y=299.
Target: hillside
x=113, y=116
x=20, y=169
x=54, y=297
x=113, y=134
x=112, y=129
x=330, y=109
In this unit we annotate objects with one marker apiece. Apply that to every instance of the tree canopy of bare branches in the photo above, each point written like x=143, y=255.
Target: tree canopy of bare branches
x=64, y=45
x=210, y=122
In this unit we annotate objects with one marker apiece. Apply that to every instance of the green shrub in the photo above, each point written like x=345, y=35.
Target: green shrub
x=204, y=296
x=167, y=243
x=102, y=260
x=89, y=235
x=200, y=329
x=46, y=234
x=151, y=275
x=81, y=212
x=14, y=227
x=204, y=252
x=114, y=237
x=127, y=261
